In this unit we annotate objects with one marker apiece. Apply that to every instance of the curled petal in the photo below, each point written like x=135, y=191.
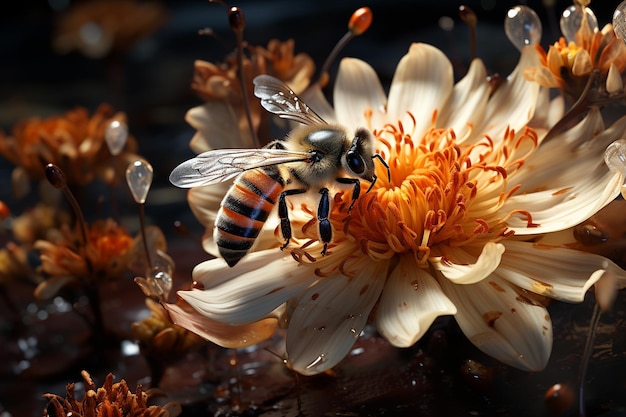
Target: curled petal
x=568, y=181
x=329, y=317
x=502, y=324
x=249, y=291
x=461, y=267
x=411, y=300
x=184, y=315
x=559, y=273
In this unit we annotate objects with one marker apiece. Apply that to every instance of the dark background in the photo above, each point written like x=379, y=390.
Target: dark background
x=154, y=92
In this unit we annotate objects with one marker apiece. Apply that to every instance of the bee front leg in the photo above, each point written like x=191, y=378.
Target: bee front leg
x=356, y=189
x=283, y=213
x=325, y=228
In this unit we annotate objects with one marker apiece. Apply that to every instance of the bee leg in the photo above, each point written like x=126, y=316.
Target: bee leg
x=283, y=213
x=325, y=229
x=356, y=189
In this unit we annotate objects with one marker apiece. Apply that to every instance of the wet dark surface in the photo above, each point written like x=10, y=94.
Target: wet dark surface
x=45, y=346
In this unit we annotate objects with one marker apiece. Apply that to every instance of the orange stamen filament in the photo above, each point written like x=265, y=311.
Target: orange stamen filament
x=441, y=192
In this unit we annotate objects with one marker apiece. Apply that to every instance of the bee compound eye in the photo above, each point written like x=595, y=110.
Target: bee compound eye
x=355, y=162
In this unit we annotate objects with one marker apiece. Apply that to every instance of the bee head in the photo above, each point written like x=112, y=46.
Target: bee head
x=357, y=159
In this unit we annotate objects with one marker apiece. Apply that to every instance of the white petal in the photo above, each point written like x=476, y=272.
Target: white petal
x=566, y=181
x=547, y=113
x=411, y=301
x=218, y=126
x=358, y=89
x=513, y=103
x=422, y=84
x=467, y=103
x=461, y=267
x=559, y=273
x=314, y=97
x=614, y=83
x=204, y=203
x=329, y=316
x=249, y=291
x=500, y=323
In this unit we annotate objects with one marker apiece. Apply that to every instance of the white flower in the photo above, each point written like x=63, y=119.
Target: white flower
x=461, y=228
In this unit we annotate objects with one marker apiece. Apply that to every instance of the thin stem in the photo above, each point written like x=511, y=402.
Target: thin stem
x=142, y=225
x=323, y=77
x=584, y=365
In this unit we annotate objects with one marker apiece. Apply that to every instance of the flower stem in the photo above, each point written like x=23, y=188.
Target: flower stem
x=584, y=365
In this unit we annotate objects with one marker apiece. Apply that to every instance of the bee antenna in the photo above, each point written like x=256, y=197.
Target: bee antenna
x=382, y=161
x=359, y=22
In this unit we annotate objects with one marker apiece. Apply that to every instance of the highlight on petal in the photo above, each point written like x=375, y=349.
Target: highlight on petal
x=411, y=300
x=357, y=91
x=217, y=125
x=513, y=103
x=225, y=335
x=460, y=267
x=329, y=316
x=423, y=80
x=256, y=286
x=315, y=98
x=566, y=181
x=501, y=323
x=467, y=104
x=559, y=273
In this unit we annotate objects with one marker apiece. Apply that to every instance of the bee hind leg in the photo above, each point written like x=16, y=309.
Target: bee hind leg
x=283, y=213
x=325, y=228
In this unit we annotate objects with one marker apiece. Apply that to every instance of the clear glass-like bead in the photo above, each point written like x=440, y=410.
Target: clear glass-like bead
x=615, y=159
x=522, y=26
x=116, y=135
x=619, y=21
x=139, y=179
x=572, y=18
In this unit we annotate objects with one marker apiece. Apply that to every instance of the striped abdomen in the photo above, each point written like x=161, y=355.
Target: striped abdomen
x=244, y=210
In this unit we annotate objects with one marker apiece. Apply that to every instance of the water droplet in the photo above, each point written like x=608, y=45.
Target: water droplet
x=522, y=26
x=116, y=135
x=619, y=21
x=572, y=18
x=139, y=179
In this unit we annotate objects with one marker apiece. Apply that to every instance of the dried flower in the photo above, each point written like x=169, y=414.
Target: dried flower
x=467, y=225
x=68, y=262
x=75, y=142
x=224, y=107
x=110, y=400
x=160, y=338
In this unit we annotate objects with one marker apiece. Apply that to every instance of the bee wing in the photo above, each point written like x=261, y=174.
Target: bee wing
x=279, y=99
x=223, y=164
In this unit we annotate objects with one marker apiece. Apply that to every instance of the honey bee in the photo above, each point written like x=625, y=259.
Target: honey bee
x=312, y=156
